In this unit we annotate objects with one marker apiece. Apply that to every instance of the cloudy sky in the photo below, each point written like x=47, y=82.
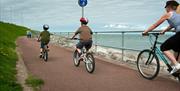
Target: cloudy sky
x=63, y=15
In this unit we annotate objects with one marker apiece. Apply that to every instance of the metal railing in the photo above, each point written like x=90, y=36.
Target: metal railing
x=122, y=39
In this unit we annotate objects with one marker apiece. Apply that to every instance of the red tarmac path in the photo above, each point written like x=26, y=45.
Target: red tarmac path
x=60, y=74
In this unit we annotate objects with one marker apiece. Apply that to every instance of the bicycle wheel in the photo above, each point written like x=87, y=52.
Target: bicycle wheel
x=148, y=64
x=178, y=77
x=75, y=58
x=45, y=56
x=90, y=63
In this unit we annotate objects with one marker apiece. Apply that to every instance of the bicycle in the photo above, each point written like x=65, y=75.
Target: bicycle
x=86, y=57
x=148, y=60
x=44, y=55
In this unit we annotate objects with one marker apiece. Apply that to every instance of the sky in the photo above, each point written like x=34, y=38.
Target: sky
x=64, y=15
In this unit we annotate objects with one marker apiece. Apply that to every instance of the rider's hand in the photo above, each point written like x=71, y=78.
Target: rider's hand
x=38, y=40
x=162, y=32
x=145, y=33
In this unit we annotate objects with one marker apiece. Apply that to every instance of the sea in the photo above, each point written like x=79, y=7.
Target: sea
x=133, y=41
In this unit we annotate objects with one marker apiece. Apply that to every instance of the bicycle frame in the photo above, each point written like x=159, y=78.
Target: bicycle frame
x=157, y=51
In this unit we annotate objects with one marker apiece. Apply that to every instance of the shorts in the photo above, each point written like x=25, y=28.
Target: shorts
x=87, y=44
x=42, y=44
x=172, y=43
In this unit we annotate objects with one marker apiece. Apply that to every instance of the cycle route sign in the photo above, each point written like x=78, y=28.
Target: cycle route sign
x=82, y=3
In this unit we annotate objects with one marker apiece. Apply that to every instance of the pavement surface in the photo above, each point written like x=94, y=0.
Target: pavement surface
x=60, y=74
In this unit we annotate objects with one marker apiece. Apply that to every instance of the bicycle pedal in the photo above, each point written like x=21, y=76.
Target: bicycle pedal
x=169, y=70
x=175, y=74
x=40, y=56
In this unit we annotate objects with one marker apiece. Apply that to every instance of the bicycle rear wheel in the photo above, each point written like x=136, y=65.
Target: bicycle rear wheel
x=76, y=58
x=90, y=63
x=45, y=56
x=148, y=64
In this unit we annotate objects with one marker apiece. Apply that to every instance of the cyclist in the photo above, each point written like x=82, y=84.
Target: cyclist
x=29, y=34
x=44, y=38
x=174, y=41
x=85, y=36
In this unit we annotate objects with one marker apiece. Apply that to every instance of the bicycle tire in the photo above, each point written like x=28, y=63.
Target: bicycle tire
x=45, y=56
x=150, y=61
x=90, y=57
x=75, y=59
x=178, y=77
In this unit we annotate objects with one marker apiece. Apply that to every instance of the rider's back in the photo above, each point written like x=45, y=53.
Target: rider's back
x=174, y=21
x=85, y=33
x=45, y=36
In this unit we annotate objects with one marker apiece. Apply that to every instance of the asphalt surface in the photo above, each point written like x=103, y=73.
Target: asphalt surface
x=60, y=74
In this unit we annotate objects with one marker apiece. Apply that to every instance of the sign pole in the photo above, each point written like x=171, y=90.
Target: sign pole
x=82, y=3
x=82, y=11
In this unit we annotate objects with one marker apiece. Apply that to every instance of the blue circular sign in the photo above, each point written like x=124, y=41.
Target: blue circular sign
x=82, y=3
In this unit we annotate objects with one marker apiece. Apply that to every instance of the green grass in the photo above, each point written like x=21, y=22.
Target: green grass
x=8, y=57
x=34, y=82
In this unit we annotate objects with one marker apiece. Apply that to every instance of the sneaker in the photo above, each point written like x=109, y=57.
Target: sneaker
x=175, y=68
x=40, y=55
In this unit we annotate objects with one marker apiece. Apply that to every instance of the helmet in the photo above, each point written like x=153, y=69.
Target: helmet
x=171, y=3
x=45, y=27
x=84, y=20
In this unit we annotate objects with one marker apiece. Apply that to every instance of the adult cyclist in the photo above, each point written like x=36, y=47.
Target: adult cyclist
x=173, y=43
x=44, y=38
x=85, y=35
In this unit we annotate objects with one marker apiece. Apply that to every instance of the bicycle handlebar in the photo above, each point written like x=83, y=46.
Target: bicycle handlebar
x=74, y=39
x=155, y=34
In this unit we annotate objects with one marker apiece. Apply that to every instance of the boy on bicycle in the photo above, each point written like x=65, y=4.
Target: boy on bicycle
x=44, y=38
x=85, y=36
x=173, y=43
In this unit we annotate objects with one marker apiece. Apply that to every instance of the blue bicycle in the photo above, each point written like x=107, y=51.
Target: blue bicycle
x=148, y=60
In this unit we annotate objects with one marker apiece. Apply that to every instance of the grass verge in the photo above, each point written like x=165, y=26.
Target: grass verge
x=34, y=82
x=8, y=57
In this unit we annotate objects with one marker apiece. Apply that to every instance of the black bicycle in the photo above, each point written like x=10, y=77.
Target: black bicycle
x=148, y=60
x=86, y=57
x=44, y=55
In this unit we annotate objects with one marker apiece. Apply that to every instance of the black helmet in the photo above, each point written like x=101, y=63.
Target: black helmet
x=171, y=3
x=45, y=27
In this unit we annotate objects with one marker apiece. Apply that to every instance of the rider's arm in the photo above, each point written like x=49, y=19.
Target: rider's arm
x=74, y=36
x=77, y=32
x=160, y=21
x=39, y=37
x=167, y=29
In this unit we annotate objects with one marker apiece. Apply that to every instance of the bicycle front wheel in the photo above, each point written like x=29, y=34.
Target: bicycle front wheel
x=90, y=63
x=76, y=58
x=148, y=64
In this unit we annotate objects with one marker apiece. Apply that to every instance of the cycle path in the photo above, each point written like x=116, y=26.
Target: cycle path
x=60, y=74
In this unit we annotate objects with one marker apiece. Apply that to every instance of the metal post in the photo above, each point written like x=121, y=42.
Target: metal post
x=82, y=11
x=122, y=46
x=68, y=37
x=96, y=42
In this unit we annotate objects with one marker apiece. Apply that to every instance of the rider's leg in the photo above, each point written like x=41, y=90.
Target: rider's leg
x=88, y=45
x=171, y=57
x=41, y=48
x=79, y=46
x=79, y=50
x=177, y=55
x=169, y=44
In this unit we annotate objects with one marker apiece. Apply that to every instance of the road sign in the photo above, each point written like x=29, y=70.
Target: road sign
x=82, y=3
